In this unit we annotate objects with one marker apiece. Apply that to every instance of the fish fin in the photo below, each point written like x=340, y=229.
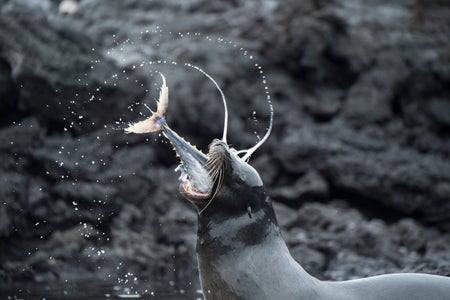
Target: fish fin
x=157, y=120
x=163, y=101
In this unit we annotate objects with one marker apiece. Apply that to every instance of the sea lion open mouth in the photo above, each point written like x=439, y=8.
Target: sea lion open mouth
x=195, y=181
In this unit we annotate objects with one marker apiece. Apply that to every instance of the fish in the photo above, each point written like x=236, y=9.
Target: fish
x=158, y=119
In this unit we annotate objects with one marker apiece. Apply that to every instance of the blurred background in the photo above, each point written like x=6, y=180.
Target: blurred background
x=358, y=163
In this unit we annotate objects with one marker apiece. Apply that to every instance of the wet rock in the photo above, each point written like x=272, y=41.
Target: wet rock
x=266, y=167
x=84, y=191
x=359, y=166
x=313, y=43
x=14, y=203
x=62, y=156
x=360, y=91
x=314, y=261
x=324, y=105
x=310, y=186
x=8, y=94
x=375, y=105
x=129, y=161
x=178, y=228
x=285, y=215
x=344, y=244
x=60, y=63
x=21, y=136
x=5, y=222
x=84, y=201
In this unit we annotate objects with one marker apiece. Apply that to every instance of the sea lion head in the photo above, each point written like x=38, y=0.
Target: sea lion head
x=220, y=180
x=238, y=188
x=225, y=162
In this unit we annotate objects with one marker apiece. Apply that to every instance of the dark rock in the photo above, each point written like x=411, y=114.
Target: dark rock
x=360, y=92
x=375, y=105
x=363, y=168
x=310, y=186
x=177, y=224
x=84, y=191
x=13, y=203
x=285, y=214
x=129, y=161
x=315, y=262
x=267, y=168
x=21, y=136
x=343, y=244
x=55, y=60
x=314, y=45
x=324, y=105
x=63, y=157
x=8, y=94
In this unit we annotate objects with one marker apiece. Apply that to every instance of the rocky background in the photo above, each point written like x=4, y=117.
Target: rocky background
x=358, y=164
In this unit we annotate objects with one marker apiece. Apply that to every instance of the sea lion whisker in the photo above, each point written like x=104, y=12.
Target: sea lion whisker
x=214, y=163
x=224, y=101
x=215, y=190
x=250, y=151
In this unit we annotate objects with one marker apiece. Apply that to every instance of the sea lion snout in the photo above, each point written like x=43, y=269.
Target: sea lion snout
x=222, y=158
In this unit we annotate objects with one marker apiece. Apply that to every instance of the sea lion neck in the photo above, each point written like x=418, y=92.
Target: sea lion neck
x=240, y=211
x=241, y=257
x=234, y=223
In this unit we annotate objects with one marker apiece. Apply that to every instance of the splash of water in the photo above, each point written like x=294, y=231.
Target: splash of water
x=245, y=153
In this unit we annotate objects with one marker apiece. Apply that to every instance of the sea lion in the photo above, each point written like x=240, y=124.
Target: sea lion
x=241, y=252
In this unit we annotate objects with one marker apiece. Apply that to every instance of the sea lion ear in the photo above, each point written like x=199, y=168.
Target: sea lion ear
x=249, y=211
